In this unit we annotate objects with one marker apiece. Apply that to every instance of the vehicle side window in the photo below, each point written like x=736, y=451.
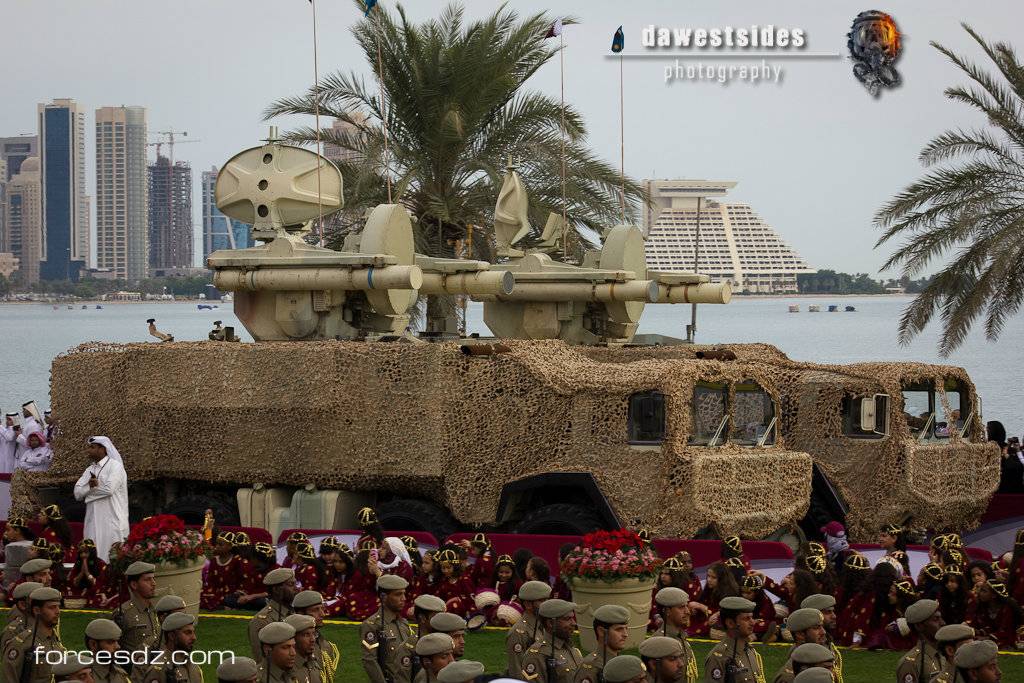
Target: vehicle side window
x=710, y=410
x=852, y=410
x=754, y=415
x=919, y=408
x=959, y=410
x=647, y=418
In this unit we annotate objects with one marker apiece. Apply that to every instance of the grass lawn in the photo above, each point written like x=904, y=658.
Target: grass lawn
x=227, y=631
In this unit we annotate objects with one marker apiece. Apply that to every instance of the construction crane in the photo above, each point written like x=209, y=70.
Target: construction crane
x=170, y=142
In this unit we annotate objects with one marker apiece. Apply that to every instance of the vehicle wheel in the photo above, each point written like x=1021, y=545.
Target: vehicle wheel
x=791, y=535
x=193, y=509
x=560, y=518
x=409, y=514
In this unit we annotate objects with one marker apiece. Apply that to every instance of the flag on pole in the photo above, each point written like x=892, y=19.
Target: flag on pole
x=370, y=4
x=554, y=30
x=618, y=41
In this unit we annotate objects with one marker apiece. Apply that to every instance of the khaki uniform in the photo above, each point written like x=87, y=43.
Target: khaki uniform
x=919, y=664
x=747, y=662
x=398, y=654
x=109, y=673
x=274, y=611
x=18, y=623
x=837, y=665
x=691, y=674
x=278, y=675
x=140, y=627
x=19, y=656
x=590, y=669
x=519, y=639
x=165, y=671
x=329, y=655
x=567, y=661
x=312, y=668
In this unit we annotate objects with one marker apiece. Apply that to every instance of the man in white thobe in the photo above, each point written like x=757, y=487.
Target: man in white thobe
x=8, y=443
x=104, y=488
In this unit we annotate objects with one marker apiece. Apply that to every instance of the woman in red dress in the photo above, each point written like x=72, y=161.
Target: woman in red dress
x=720, y=584
x=995, y=615
x=423, y=581
x=88, y=577
x=794, y=588
x=955, y=598
x=292, y=544
x=893, y=539
x=765, y=628
x=856, y=572
x=361, y=598
x=223, y=574
x=311, y=572
x=342, y=569
x=505, y=584
x=868, y=613
x=56, y=530
x=452, y=585
x=481, y=571
x=1015, y=572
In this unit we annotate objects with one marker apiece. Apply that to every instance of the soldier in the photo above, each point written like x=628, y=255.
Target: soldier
x=527, y=630
x=663, y=658
x=734, y=656
x=37, y=570
x=278, y=658
x=435, y=652
x=611, y=630
x=978, y=662
x=18, y=616
x=136, y=618
x=924, y=660
x=311, y=603
x=174, y=663
x=387, y=655
x=455, y=627
x=625, y=669
x=25, y=657
x=807, y=627
x=101, y=635
x=466, y=671
x=674, y=607
x=552, y=656
x=238, y=670
x=168, y=604
x=280, y=585
x=423, y=608
x=73, y=668
x=814, y=675
x=826, y=604
x=808, y=656
x=306, y=661
x=949, y=639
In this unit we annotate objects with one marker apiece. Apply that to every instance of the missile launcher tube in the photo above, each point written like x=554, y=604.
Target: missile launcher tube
x=315, y=279
x=482, y=283
x=548, y=292
x=703, y=293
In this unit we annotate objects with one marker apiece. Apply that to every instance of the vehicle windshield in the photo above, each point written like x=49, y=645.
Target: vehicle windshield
x=959, y=416
x=754, y=423
x=919, y=408
x=710, y=413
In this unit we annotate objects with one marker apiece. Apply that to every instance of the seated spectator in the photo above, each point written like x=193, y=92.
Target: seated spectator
x=995, y=614
x=88, y=578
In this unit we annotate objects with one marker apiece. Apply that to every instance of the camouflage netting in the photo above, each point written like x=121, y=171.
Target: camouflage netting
x=423, y=420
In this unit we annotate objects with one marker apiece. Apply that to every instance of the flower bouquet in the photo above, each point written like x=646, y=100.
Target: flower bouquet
x=611, y=556
x=161, y=539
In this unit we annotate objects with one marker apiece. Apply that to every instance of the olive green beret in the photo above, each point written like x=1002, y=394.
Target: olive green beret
x=434, y=644
x=138, y=569
x=36, y=565
x=657, y=647
x=22, y=590
x=391, y=582
x=45, y=594
x=975, y=654
x=737, y=604
x=555, y=608
x=804, y=618
x=169, y=603
x=534, y=590
x=304, y=599
x=429, y=603
x=612, y=614
x=921, y=610
x=177, y=620
x=275, y=577
x=237, y=669
x=276, y=632
x=446, y=622
x=819, y=602
x=70, y=665
x=623, y=668
x=300, y=622
x=952, y=633
x=812, y=653
x=462, y=671
x=815, y=674
x=102, y=629
x=672, y=597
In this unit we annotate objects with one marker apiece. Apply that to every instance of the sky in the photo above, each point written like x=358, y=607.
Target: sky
x=813, y=154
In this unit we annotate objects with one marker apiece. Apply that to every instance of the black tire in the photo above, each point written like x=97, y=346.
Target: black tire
x=410, y=514
x=560, y=518
x=193, y=509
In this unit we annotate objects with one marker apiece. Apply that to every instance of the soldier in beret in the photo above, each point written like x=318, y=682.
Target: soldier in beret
x=807, y=627
x=455, y=627
x=173, y=663
x=625, y=669
x=663, y=658
x=435, y=651
x=734, y=656
x=238, y=670
x=73, y=668
x=167, y=605
x=306, y=661
x=387, y=653
x=808, y=656
x=949, y=639
x=277, y=665
x=466, y=671
x=38, y=570
x=552, y=656
x=18, y=616
x=527, y=630
x=40, y=636
x=826, y=604
x=978, y=662
x=815, y=674
x=311, y=603
x=924, y=660
x=280, y=584
x=423, y=608
x=674, y=606
x=611, y=630
x=137, y=618
x=101, y=635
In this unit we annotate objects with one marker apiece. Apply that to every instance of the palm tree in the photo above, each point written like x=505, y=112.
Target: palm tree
x=457, y=110
x=972, y=209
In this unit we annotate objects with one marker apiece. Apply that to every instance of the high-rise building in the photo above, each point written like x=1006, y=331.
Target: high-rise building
x=15, y=150
x=3, y=205
x=24, y=219
x=170, y=214
x=735, y=244
x=65, y=209
x=336, y=153
x=122, y=186
x=219, y=231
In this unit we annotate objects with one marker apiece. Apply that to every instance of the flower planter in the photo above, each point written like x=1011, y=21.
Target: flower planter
x=633, y=594
x=183, y=580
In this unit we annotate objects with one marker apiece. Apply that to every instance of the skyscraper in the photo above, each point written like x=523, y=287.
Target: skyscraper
x=338, y=154
x=122, y=219
x=170, y=214
x=219, y=231
x=65, y=248
x=15, y=150
x=3, y=206
x=24, y=219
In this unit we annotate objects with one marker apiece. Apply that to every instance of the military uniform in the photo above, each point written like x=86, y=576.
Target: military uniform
x=19, y=657
x=519, y=639
x=919, y=664
x=590, y=669
x=109, y=673
x=837, y=665
x=18, y=623
x=274, y=611
x=165, y=671
x=567, y=661
x=276, y=674
x=329, y=655
x=398, y=655
x=139, y=625
x=947, y=675
x=749, y=668
x=690, y=674
x=312, y=668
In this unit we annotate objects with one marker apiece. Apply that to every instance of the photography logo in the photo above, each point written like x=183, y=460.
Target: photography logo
x=875, y=44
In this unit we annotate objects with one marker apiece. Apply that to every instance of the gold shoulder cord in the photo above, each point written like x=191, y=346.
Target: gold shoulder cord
x=691, y=668
x=330, y=661
x=837, y=671
x=760, y=666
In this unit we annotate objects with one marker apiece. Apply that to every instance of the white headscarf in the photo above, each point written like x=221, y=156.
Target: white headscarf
x=400, y=552
x=108, y=445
